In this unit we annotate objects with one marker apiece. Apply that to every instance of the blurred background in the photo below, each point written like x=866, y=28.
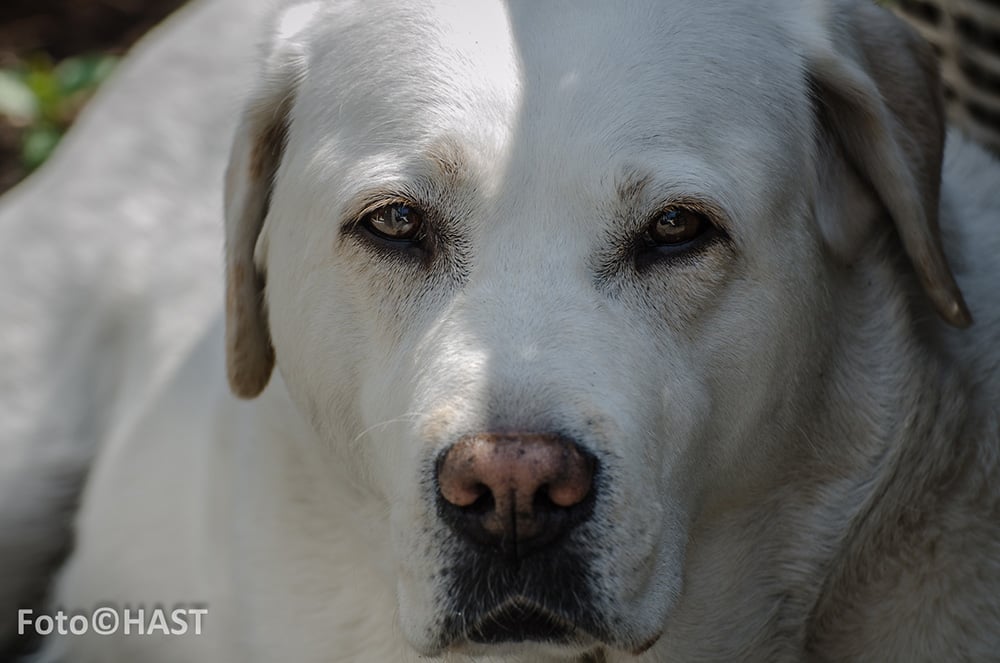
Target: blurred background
x=55, y=53
x=966, y=36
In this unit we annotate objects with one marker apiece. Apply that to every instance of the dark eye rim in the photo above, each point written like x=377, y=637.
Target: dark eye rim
x=418, y=247
x=364, y=222
x=648, y=251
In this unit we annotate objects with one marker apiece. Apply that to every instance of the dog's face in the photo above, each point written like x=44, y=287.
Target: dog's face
x=552, y=278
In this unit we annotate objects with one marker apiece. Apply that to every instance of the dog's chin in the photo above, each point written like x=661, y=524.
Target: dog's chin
x=520, y=620
x=521, y=626
x=528, y=651
x=522, y=629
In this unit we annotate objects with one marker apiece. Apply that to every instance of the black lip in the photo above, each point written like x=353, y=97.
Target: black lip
x=520, y=620
x=544, y=598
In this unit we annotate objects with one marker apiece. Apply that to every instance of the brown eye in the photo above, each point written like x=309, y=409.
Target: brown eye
x=398, y=222
x=677, y=226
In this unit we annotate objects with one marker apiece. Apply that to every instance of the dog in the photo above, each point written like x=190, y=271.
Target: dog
x=650, y=331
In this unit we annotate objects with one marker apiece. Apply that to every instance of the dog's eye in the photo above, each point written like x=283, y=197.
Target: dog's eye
x=676, y=227
x=398, y=222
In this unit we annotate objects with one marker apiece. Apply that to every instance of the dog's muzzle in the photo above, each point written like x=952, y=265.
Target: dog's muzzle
x=516, y=503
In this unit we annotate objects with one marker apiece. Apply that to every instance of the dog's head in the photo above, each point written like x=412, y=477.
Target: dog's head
x=560, y=279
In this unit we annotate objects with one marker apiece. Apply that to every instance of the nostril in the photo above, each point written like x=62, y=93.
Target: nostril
x=484, y=504
x=543, y=501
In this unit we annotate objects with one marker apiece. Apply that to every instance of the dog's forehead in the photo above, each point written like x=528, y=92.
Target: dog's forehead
x=562, y=83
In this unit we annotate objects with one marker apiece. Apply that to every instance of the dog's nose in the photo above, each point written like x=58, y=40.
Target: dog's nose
x=511, y=489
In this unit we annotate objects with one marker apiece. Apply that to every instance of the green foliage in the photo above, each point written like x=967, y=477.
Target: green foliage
x=42, y=98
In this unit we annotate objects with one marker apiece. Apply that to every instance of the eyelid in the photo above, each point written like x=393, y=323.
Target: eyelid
x=706, y=207
x=372, y=203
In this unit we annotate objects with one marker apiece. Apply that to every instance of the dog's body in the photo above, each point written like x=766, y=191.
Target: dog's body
x=110, y=274
x=795, y=458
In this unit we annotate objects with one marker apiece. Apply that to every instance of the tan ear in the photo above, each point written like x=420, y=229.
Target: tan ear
x=253, y=163
x=256, y=155
x=879, y=105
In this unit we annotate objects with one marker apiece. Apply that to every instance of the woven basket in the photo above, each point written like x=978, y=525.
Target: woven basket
x=966, y=36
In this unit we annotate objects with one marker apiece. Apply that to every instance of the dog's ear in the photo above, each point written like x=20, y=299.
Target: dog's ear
x=253, y=164
x=877, y=95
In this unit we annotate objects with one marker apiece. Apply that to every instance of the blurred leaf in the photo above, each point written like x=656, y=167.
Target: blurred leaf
x=44, y=86
x=83, y=73
x=44, y=98
x=38, y=144
x=17, y=101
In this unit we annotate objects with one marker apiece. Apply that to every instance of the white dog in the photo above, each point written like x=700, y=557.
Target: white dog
x=603, y=332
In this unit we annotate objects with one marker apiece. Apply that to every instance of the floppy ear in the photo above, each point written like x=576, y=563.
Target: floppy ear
x=256, y=154
x=882, y=137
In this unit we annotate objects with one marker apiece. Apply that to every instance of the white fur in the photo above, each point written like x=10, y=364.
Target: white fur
x=800, y=459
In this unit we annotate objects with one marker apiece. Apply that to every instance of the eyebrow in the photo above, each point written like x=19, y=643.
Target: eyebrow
x=630, y=185
x=449, y=157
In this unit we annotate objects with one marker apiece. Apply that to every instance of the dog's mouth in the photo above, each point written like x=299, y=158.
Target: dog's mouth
x=521, y=620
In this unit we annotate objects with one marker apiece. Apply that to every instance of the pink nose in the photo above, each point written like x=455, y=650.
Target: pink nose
x=514, y=487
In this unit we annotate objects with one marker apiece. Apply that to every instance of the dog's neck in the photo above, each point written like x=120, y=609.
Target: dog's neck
x=917, y=451
x=919, y=467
